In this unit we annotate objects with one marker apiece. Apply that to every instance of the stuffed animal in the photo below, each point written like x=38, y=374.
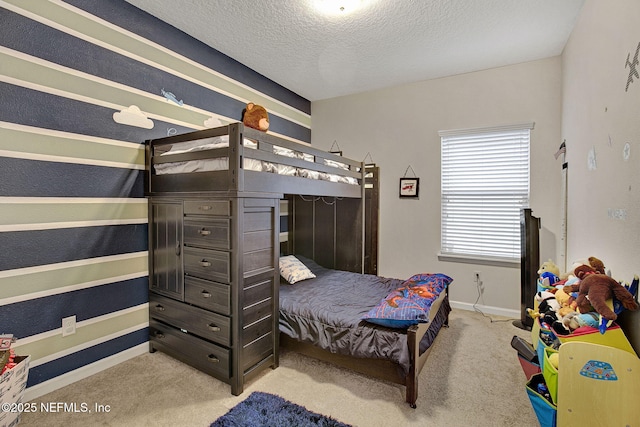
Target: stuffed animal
x=596, y=264
x=567, y=302
x=571, y=280
x=575, y=320
x=547, y=307
x=563, y=297
x=547, y=302
x=256, y=117
x=595, y=289
x=549, y=267
x=579, y=272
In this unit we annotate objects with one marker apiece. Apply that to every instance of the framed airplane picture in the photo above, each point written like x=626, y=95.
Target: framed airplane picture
x=409, y=187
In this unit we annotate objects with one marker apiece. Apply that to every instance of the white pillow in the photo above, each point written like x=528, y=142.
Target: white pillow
x=293, y=270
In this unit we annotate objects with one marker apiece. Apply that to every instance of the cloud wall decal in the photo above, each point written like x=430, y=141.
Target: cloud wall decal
x=132, y=116
x=213, y=122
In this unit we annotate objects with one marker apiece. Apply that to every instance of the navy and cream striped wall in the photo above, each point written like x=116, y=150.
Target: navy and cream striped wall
x=83, y=83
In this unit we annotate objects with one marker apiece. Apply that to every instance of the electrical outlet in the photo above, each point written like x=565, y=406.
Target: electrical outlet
x=478, y=280
x=68, y=325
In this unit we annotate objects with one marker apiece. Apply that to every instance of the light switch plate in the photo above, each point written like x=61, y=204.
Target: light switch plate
x=68, y=325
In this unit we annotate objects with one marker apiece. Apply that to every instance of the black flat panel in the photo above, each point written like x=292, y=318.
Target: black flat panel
x=349, y=235
x=303, y=227
x=324, y=232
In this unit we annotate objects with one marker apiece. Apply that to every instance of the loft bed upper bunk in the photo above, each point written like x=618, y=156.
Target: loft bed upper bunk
x=237, y=159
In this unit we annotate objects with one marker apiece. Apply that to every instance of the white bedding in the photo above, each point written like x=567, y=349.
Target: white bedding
x=222, y=163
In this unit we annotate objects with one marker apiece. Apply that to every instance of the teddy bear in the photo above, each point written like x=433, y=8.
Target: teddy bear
x=596, y=264
x=567, y=302
x=594, y=289
x=549, y=270
x=256, y=117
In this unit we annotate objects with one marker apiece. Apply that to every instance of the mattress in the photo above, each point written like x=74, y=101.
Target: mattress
x=222, y=163
x=327, y=311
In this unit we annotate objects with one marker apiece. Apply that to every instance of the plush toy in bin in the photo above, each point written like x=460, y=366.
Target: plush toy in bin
x=550, y=271
x=546, y=302
x=594, y=289
x=575, y=320
x=256, y=117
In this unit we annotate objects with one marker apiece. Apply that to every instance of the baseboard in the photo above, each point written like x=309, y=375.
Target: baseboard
x=53, y=384
x=486, y=309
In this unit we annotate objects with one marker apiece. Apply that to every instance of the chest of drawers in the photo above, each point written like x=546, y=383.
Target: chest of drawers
x=213, y=278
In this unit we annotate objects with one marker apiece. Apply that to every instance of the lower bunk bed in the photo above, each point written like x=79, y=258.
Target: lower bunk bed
x=322, y=317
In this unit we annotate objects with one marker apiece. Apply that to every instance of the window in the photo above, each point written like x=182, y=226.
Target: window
x=485, y=183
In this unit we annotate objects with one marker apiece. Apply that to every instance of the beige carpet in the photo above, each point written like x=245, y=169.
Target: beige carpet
x=472, y=378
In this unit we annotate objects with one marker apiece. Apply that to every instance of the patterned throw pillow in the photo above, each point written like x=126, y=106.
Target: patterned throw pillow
x=293, y=270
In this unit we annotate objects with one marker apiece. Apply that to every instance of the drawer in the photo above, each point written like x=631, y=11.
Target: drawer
x=205, y=324
x=257, y=351
x=210, y=295
x=254, y=312
x=207, y=207
x=201, y=354
x=253, y=331
x=258, y=291
x=207, y=233
x=208, y=264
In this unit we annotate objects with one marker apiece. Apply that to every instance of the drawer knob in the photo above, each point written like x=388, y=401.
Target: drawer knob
x=213, y=327
x=158, y=335
x=213, y=359
x=205, y=207
x=205, y=263
x=206, y=294
x=159, y=307
x=204, y=232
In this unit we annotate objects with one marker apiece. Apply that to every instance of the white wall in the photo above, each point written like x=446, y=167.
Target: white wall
x=600, y=114
x=399, y=127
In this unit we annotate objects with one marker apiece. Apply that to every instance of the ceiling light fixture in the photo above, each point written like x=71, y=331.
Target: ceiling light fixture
x=338, y=7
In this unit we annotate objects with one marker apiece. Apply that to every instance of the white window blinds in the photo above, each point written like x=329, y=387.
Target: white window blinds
x=485, y=183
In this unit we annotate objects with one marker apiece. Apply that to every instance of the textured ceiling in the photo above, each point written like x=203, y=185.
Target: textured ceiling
x=384, y=43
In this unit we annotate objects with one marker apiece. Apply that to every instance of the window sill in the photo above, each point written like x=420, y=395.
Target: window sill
x=470, y=259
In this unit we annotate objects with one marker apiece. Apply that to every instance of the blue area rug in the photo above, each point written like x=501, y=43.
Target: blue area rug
x=264, y=409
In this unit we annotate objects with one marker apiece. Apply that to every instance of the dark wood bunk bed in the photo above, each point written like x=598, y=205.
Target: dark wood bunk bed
x=214, y=239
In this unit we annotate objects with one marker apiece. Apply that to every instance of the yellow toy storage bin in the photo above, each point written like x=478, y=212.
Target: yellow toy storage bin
x=613, y=337
x=550, y=374
x=597, y=386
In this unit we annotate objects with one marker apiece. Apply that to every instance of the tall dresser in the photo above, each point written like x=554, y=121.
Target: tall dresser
x=213, y=280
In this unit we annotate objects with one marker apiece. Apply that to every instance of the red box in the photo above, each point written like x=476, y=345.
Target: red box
x=529, y=368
